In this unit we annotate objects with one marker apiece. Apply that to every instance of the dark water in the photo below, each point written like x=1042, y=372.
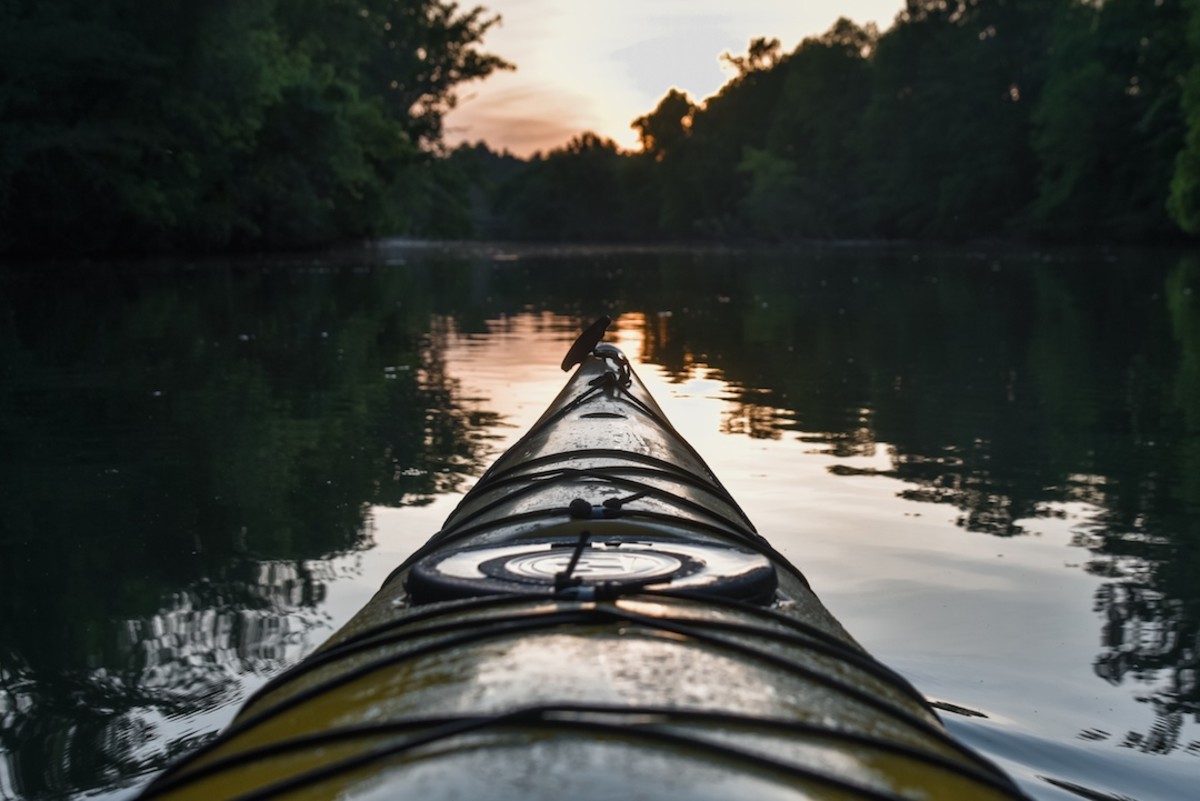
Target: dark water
x=193, y=458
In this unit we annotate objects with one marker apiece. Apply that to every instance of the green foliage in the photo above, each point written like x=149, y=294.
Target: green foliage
x=966, y=119
x=664, y=130
x=806, y=181
x=1184, y=201
x=703, y=196
x=762, y=54
x=256, y=123
x=1109, y=126
x=237, y=123
x=947, y=152
x=545, y=201
x=773, y=198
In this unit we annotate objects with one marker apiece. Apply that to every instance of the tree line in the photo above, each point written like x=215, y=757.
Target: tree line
x=255, y=124
x=127, y=125
x=1062, y=121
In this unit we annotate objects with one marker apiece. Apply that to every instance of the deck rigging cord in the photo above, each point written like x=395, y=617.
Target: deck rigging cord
x=556, y=717
x=550, y=616
x=565, y=578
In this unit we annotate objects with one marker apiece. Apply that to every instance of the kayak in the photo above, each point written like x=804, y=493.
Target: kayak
x=597, y=619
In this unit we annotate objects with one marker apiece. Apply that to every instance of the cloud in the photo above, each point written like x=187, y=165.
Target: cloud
x=523, y=118
x=689, y=60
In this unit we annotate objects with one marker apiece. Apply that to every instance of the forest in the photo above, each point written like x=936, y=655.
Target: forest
x=251, y=125
x=226, y=124
x=1060, y=120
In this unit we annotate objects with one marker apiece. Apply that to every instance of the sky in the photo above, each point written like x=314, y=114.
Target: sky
x=596, y=65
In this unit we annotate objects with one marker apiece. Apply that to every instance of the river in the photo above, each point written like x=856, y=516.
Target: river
x=986, y=462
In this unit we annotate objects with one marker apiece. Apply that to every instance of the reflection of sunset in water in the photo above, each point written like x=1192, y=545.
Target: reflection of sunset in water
x=629, y=334
x=952, y=611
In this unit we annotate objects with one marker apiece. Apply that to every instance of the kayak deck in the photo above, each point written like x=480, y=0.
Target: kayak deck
x=597, y=618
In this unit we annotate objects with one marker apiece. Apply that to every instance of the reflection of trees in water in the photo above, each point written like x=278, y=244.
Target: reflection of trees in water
x=195, y=443
x=455, y=431
x=1002, y=390
x=251, y=627
x=987, y=501
x=1150, y=638
x=1147, y=541
x=98, y=725
x=1151, y=633
x=755, y=420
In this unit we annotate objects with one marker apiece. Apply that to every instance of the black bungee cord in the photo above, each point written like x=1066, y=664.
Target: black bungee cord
x=477, y=629
x=573, y=717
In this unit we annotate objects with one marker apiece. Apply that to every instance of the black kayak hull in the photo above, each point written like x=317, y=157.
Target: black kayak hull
x=597, y=619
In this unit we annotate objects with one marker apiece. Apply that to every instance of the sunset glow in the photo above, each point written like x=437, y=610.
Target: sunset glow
x=598, y=66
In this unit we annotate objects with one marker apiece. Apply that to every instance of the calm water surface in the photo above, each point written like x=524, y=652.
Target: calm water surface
x=988, y=464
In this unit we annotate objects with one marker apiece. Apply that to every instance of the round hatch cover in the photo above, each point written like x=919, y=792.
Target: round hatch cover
x=532, y=567
x=593, y=565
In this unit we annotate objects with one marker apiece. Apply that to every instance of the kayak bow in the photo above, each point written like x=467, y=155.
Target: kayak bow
x=597, y=619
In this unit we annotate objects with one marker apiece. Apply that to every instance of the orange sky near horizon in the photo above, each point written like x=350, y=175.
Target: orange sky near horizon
x=598, y=66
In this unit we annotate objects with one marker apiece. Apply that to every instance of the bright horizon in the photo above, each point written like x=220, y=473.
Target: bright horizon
x=598, y=66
